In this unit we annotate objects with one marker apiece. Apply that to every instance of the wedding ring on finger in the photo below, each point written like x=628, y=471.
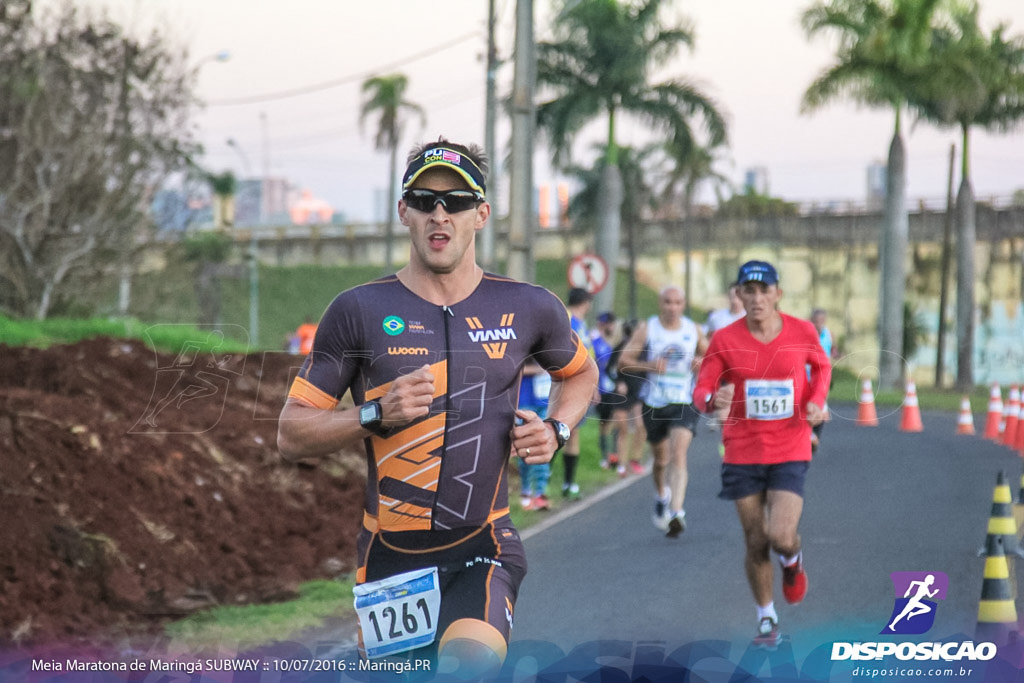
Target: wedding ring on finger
x=527, y=452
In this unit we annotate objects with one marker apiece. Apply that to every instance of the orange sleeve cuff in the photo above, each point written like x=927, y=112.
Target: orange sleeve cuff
x=574, y=365
x=307, y=394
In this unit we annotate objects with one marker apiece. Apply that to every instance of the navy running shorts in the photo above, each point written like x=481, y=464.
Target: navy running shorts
x=740, y=481
x=479, y=570
x=658, y=421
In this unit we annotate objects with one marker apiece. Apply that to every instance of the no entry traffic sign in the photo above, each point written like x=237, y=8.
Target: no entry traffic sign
x=589, y=272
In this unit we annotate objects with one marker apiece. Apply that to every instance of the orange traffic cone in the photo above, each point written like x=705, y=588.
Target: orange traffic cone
x=965, y=423
x=1020, y=439
x=995, y=413
x=867, y=416
x=1012, y=417
x=910, y=420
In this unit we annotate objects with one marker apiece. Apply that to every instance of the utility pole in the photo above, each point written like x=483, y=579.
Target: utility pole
x=947, y=250
x=488, y=236
x=254, y=262
x=265, y=181
x=521, y=216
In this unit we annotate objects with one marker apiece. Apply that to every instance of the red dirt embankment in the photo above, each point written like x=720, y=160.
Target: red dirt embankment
x=137, y=486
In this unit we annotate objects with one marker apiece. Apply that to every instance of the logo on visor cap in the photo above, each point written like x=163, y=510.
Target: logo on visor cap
x=447, y=158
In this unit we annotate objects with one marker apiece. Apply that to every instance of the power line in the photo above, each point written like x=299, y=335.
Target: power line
x=343, y=80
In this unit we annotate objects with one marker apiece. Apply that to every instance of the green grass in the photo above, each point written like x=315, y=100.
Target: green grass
x=254, y=625
x=164, y=337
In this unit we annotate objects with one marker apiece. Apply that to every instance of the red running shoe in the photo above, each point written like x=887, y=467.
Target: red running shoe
x=794, y=582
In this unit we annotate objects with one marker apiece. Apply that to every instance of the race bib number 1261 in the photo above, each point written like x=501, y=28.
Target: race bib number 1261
x=398, y=613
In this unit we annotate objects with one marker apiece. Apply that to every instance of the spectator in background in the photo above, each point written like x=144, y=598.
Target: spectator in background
x=720, y=317
x=819, y=318
x=534, y=391
x=578, y=302
x=603, y=340
x=668, y=347
x=627, y=413
x=717, y=319
x=304, y=336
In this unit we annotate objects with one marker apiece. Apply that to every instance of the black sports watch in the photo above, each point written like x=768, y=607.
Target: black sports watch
x=562, y=432
x=371, y=417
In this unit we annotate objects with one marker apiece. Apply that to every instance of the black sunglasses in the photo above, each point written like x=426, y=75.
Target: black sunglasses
x=453, y=201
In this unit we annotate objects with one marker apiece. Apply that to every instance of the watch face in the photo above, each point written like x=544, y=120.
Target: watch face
x=369, y=412
x=563, y=431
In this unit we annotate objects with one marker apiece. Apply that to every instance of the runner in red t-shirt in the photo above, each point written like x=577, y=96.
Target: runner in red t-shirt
x=758, y=367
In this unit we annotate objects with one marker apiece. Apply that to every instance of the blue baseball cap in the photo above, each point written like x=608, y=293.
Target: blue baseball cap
x=757, y=271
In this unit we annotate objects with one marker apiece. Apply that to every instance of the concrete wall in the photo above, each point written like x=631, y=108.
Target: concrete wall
x=827, y=260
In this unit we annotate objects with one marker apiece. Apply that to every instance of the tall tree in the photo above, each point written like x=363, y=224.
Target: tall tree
x=91, y=120
x=639, y=201
x=385, y=96
x=600, y=64
x=977, y=81
x=883, y=49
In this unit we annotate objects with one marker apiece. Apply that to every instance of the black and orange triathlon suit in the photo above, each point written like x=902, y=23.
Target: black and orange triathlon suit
x=437, y=490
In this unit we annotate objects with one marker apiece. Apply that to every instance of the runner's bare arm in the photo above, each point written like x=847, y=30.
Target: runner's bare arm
x=631, y=359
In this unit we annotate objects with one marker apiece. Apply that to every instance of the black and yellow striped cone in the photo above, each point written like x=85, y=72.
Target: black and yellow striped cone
x=1001, y=522
x=1018, y=506
x=997, y=613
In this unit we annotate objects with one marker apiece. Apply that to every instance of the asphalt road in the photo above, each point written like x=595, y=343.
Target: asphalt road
x=878, y=501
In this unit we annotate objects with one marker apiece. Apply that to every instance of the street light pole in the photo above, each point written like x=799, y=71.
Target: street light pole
x=254, y=263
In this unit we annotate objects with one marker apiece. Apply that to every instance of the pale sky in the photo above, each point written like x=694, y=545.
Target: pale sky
x=750, y=56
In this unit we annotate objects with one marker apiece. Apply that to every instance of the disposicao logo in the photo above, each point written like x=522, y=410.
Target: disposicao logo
x=913, y=613
x=393, y=325
x=916, y=593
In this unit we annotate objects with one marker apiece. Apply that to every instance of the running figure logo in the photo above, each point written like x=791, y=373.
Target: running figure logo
x=914, y=612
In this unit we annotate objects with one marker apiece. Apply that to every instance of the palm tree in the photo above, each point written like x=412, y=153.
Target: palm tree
x=638, y=202
x=883, y=50
x=977, y=81
x=599, y=65
x=386, y=96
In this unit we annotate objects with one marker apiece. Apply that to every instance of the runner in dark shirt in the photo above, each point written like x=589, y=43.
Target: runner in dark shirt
x=432, y=357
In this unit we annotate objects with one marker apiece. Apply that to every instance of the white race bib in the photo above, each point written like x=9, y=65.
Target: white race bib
x=398, y=613
x=770, y=399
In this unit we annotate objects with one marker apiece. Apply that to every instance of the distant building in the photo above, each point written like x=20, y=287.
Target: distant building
x=248, y=202
x=876, y=177
x=310, y=210
x=755, y=180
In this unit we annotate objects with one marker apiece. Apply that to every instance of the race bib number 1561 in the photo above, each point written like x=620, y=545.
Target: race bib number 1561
x=769, y=399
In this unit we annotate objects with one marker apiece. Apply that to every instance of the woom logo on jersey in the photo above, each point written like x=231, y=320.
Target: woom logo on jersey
x=407, y=351
x=493, y=341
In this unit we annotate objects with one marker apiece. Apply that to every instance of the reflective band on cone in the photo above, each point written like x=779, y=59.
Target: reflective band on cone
x=965, y=423
x=910, y=421
x=867, y=416
x=994, y=420
x=1012, y=417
